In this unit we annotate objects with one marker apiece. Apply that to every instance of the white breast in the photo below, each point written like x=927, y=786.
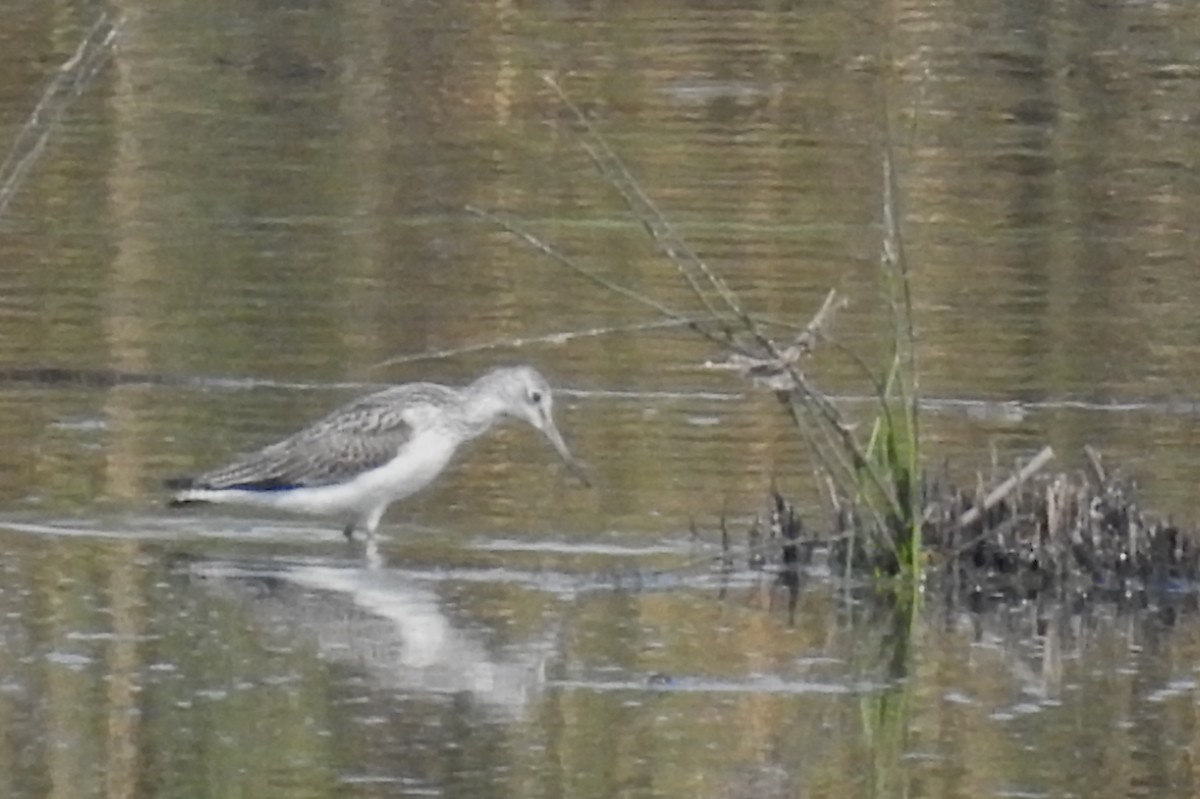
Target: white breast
x=417, y=464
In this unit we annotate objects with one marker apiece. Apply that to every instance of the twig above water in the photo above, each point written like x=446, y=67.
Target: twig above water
x=697, y=325
x=699, y=277
x=772, y=372
x=526, y=341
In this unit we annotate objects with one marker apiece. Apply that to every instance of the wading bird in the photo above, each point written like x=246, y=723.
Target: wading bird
x=378, y=449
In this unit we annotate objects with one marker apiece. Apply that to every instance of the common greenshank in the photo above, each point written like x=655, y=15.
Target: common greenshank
x=383, y=447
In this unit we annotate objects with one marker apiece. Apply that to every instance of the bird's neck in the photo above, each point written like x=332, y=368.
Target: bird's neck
x=482, y=408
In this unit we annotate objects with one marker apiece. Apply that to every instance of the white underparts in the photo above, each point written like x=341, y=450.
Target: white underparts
x=363, y=498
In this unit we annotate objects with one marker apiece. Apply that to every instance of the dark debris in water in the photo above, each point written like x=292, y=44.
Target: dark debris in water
x=1070, y=535
x=1066, y=536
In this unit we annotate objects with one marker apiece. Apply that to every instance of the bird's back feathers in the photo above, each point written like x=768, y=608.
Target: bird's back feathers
x=356, y=438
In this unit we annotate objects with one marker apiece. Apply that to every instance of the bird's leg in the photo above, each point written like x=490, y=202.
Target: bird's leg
x=371, y=520
x=348, y=530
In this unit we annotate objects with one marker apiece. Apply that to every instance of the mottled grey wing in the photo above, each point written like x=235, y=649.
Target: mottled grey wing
x=357, y=438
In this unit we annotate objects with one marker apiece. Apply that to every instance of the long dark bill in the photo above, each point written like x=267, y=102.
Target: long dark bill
x=560, y=446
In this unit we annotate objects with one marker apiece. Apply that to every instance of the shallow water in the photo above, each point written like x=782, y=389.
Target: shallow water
x=261, y=211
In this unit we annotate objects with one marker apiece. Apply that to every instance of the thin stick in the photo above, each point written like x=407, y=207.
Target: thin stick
x=1097, y=464
x=525, y=341
x=1004, y=489
x=647, y=212
x=624, y=291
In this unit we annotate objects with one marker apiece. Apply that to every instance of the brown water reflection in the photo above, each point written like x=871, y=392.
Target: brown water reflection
x=310, y=672
x=265, y=203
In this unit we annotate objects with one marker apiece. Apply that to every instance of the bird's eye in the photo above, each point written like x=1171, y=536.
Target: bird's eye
x=535, y=397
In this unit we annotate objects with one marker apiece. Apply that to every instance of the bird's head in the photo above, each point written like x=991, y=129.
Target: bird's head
x=524, y=394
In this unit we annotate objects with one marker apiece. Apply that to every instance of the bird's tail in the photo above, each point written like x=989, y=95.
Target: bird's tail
x=182, y=486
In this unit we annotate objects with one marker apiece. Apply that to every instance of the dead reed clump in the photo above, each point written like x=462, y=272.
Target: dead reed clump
x=1081, y=535
x=1070, y=535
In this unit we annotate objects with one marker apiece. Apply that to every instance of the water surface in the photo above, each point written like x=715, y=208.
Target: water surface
x=261, y=211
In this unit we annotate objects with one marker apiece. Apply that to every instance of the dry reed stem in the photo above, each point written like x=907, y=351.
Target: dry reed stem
x=646, y=211
x=1007, y=487
x=519, y=342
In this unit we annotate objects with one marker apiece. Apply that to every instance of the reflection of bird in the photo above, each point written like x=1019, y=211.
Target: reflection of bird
x=399, y=637
x=378, y=449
